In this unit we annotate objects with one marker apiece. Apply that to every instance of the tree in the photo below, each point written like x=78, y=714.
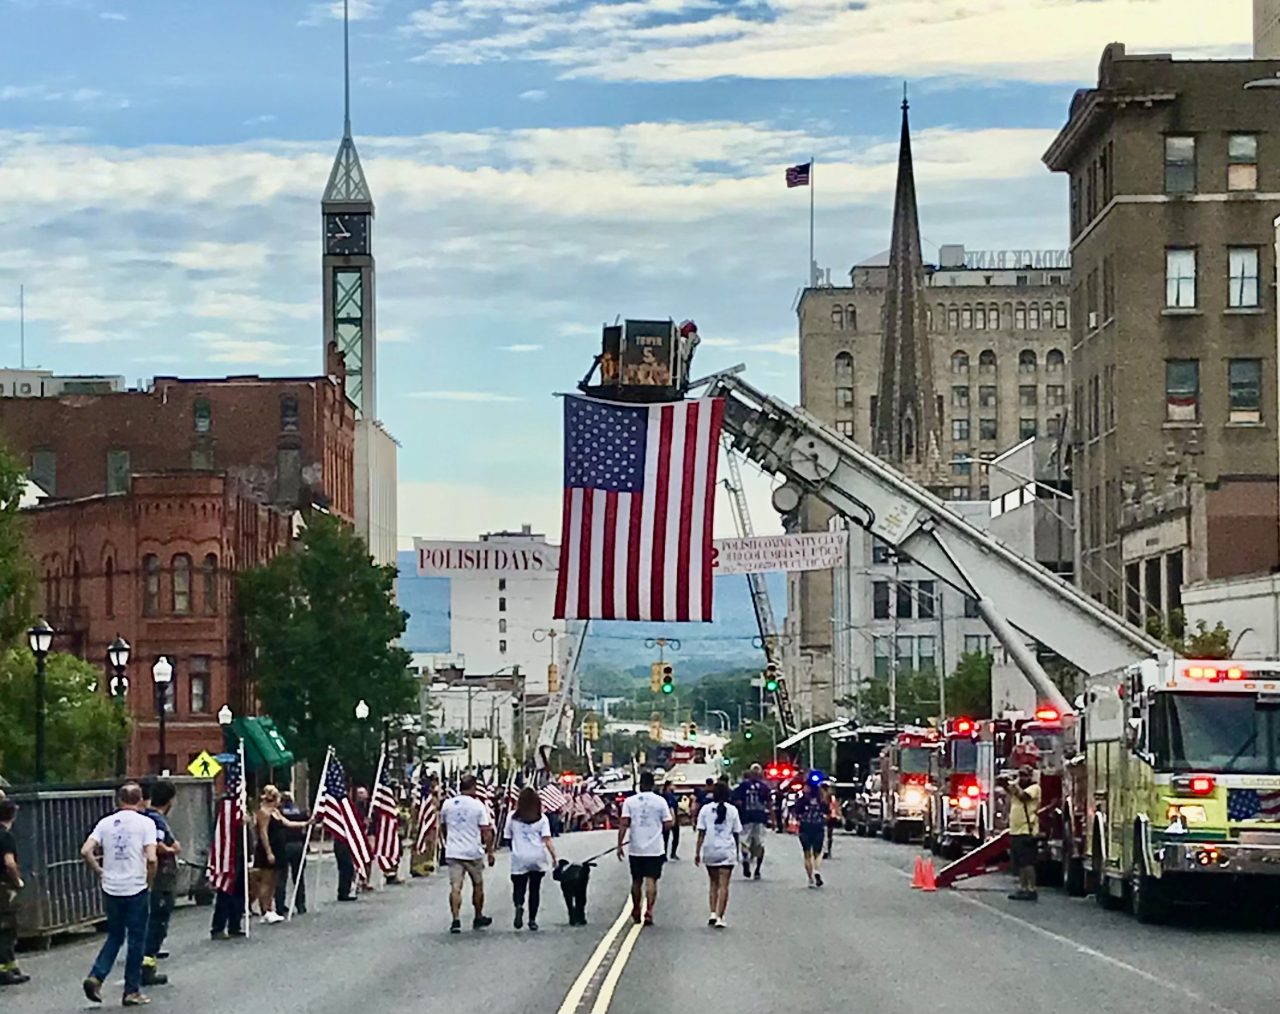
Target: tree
x=321, y=622
x=17, y=580
x=969, y=687
x=83, y=728
x=1205, y=643
x=743, y=752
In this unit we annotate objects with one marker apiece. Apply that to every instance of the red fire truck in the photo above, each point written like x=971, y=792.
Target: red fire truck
x=905, y=788
x=952, y=825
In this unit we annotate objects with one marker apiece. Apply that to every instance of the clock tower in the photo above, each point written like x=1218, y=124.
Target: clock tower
x=347, y=218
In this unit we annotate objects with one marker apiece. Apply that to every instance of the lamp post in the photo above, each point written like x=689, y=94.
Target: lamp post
x=40, y=639
x=162, y=676
x=362, y=716
x=118, y=656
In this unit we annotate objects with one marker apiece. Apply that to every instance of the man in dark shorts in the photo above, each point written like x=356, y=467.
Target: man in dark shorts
x=10, y=885
x=752, y=798
x=645, y=820
x=1024, y=829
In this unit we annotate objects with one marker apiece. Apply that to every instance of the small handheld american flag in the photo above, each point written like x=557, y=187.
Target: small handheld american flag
x=339, y=816
x=228, y=825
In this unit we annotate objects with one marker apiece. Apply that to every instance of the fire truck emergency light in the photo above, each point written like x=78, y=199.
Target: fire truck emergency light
x=964, y=725
x=1047, y=714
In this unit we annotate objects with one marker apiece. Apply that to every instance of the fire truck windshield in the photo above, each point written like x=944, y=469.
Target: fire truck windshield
x=914, y=760
x=1215, y=732
x=964, y=755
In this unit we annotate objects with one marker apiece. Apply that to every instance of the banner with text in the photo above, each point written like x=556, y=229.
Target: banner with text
x=460, y=559
x=763, y=553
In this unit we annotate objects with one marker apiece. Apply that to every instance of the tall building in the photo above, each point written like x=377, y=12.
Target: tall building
x=23, y=383
x=1266, y=29
x=1174, y=170
x=979, y=343
x=350, y=320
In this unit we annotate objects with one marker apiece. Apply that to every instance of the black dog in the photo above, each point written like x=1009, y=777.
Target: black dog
x=573, y=878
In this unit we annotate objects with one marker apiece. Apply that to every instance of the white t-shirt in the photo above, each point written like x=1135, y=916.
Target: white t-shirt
x=463, y=817
x=719, y=847
x=647, y=812
x=124, y=837
x=528, y=851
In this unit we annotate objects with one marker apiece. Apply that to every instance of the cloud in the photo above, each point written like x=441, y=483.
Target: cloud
x=789, y=346
x=219, y=348
x=533, y=95
x=58, y=93
x=112, y=16
x=521, y=348
x=254, y=121
x=698, y=40
x=720, y=343
x=359, y=10
x=468, y=396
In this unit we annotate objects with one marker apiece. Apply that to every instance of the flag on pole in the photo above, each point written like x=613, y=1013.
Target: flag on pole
x=385, y=816
x=339, y=816
x=428, y=818
x=228, y=823
x=798, y=175
x=553, y=799
x=639, y=500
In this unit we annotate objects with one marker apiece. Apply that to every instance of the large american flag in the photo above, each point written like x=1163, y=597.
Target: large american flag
x=639, y=497
x=227, y=831
x=384, y=816
x=1253, y=804
x=798, y=175
x=339, y=816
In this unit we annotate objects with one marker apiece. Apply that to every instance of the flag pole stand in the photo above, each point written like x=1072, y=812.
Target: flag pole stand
x=306, y=840
x=244, y=836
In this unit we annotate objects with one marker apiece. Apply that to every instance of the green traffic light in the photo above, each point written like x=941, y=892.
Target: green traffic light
x=771, y=686
x=667, y=688
x=747, y=734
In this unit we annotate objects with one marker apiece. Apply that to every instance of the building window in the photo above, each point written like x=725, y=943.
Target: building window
x=182, y=584
x=987, y=429
x=117, y=471
x=502, y=626
x=960, y=397
x=851, y=317
x=198, y=694
x=971, y=608
x=502, y=647
x=879, y=550
x=993, y=317
x=1027, y=395
x=980, y=317
x=209, y=576
x=1026, y=361
x=960, y=465
x=1245, y=382
x=1020, y=317
x=903, y=597
x=837, y=317
x=1026, y=428
x=1182, y=390
x=881, y=648
x=1243, y=290
x=502, y=605
x=202, y=416
x=844, y=427
x=959, y=430
x=987, y=397
x=966, y=318
x=1242, y=162
x=1053, y=426
x=844, y=399
x=1033, y=317
x=926, y=663
x=171, y=693
x=1054, y=361
x=977, y=644
x=906, y=653
x=880, y=600
x=289, y=413
x=1060, y=315
x=987, y=362
x=1055, y=395
x=953, y=318
x=1179, y=164
x=959, y=492
x=960, y=363
x=44, y=471
x=844, y=368
x=1180, y=278
x=925, y=591
x=109, y=585
x=151, y=593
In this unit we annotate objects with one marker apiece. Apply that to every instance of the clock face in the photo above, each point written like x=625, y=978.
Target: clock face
x=346, y=233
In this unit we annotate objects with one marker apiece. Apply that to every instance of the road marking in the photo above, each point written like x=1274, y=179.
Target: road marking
x=579, y=988
x=605, y=996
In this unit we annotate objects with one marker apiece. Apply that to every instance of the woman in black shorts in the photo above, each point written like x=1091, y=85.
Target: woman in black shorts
x=811, y=813
x=269, y=857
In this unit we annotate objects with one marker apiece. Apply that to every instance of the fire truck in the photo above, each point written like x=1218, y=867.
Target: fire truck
x=1176, y=794
x=952, y=827
x=905, y=788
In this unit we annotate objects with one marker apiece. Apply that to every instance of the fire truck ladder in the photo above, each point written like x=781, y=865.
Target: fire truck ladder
x=556, y=711
x=765, y=621
x=1012, y=594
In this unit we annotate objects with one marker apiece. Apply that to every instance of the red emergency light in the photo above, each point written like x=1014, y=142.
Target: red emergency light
x=1047, y=714
x=568, y=778
x=1201, y=785
x=964, y=725
x=972, y=791
x=1212, y=674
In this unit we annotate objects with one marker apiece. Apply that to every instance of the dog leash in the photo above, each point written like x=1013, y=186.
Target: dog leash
x=604, y=853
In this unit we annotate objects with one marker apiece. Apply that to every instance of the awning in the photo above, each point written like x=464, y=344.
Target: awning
x=264, y=747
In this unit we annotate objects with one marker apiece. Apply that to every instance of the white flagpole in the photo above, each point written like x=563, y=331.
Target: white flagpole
x=813, y=184
x=243, y=803
x=377, y=781
x=306, y=840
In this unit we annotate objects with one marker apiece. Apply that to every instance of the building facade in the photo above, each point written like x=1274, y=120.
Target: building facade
x=1174, y=171
x=45, y=384
x=1266, y=29
x=156, y=564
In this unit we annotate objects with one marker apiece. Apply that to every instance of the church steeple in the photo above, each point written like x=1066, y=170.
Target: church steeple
x=908, y=425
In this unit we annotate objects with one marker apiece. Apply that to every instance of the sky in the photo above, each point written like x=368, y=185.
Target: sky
x=539, y=167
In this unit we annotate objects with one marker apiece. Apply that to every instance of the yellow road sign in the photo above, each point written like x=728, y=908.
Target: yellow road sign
x=205, y=766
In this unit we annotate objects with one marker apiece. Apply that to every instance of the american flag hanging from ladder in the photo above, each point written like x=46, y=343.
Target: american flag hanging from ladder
x=224, y=854
x=384, y=815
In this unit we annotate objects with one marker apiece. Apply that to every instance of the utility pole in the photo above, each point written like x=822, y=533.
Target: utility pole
x=893, y=648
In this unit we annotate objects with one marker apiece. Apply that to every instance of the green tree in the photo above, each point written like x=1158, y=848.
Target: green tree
x=743, y=752
x=16, y=575
x=83, y=727
x=1205, y=642
x=969, y=687
x=320, y=622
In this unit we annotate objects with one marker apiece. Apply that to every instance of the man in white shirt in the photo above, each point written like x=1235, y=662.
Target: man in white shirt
x=646, y=816
x=127, y=840
x=467, y=831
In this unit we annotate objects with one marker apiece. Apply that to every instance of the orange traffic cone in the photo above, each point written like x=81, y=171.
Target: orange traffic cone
x=917, y=876
x=930, y=881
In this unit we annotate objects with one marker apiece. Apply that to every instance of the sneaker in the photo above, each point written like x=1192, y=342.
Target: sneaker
x=219, y=935
x=635, y=913
x=817, y=879
x=161, y=955
x=455, y=926
x=274, y=917
x=135, y=1000
x=533, y=925
x=150, y=977
x=12, y=977
x=648, y=918
x=237, y=933
x=93, y=989
x=481, y=922
x=719, y=922
x=1022, y=896
x=757, y=876
x=746, y=867
x=711, y=919
x=519, y=920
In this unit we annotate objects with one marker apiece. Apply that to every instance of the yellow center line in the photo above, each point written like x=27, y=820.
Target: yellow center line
x=580, y=984
x=605, y=996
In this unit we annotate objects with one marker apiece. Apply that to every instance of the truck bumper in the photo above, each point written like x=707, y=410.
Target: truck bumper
x=1218, y=857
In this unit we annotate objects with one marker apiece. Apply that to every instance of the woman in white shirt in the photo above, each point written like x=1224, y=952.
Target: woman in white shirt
x=719, y=842
x=532, y=854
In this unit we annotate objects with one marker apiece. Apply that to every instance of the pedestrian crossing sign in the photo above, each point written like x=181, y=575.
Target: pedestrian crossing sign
x=205, y=766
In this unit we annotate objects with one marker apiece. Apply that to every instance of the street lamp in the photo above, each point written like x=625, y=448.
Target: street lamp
x=118, y=656
x=40, y=638
x=362, y=710
x=362, y=713
x=225, y=715
x=162, y=675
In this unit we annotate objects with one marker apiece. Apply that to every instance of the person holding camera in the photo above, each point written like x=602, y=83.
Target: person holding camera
x=1024, y=829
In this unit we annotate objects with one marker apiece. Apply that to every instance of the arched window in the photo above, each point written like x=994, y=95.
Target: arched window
x=940, y=316
x=851, y=317
x=908, y=437
x=1033, y=317
x=844, y=368
x=1026, y=361
x=1054, y=361
x=1060, y=315
x=75, y=583
x=1046, y=316
x=209, y=573
x=953, y=318
x=980, y=317
x=837, y=317
x=960, y=363
x=109, y=582
x=1020, y=317
x=993, y=316
x=966, y=317
x=986, y=361
x=181, y=584
x=151, y=593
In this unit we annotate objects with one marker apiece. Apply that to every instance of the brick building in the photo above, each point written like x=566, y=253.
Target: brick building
x=156, y=564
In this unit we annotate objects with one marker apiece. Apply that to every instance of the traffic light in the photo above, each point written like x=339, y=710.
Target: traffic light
x=693, y=730
x=747, y=731
x=668, y=679
x=655, y=677
x=771, y=677
x=553, y=678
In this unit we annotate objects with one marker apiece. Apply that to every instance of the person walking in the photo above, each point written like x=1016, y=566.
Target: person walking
x=10, y=884
x=467, y=831
x=833, y=816
x=127, y=840
x=642, y=828
x=752, y=800
x=164, y=889
x=672, y=837
x=718, y=847
x=294, y=839
x=810, y=812
x=1024, y=829
x=532, y=854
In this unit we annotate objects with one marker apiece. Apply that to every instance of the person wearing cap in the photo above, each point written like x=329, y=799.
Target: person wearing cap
x=1024, y=829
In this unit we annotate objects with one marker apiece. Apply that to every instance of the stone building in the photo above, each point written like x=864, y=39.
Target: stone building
x=1174, y=171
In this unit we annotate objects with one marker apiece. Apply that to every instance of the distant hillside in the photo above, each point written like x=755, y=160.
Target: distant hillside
x=615, y=646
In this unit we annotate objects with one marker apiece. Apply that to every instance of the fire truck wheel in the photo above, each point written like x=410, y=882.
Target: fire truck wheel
x=1075, y=880
x=1148, y=899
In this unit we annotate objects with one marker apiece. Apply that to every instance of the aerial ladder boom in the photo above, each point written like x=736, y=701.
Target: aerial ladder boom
x=1012, y=594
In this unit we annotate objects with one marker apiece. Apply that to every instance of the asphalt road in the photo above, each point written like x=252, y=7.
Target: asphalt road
x=865, y=942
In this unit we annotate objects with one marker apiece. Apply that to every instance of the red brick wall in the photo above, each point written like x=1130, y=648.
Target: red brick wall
x=1244, y=536
x=108, y=538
